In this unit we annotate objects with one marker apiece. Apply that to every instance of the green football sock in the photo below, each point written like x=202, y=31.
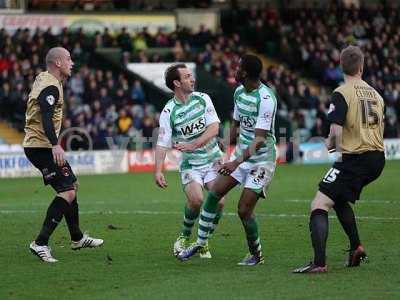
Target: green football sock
x=216, y=221
x=253, y=240
x=189, y=218
x=207, y=216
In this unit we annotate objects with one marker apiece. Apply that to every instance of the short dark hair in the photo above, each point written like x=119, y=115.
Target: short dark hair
x=252, y=65
x=351, y=60
x=172, y=74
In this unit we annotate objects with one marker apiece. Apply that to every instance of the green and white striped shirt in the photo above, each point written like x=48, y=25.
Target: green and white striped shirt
x=184, y=122
x=253, y=110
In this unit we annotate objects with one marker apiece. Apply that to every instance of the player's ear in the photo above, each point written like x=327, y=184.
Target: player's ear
x=58, y=62
x=177, y=83
x=244, y=74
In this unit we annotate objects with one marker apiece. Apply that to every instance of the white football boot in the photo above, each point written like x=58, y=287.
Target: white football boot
x=86, y=242
x=180, y=244
x=205, y=251
x=43, y=252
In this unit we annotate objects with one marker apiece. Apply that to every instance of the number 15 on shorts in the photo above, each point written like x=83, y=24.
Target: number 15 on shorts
x=331, y=175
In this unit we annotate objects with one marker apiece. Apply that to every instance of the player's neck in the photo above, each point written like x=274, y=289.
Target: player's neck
x=348, y=78
x=251, y=85
x=56, y=73
x=182, y=97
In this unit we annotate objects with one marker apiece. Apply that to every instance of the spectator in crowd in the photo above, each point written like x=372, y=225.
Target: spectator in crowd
x=137, y=93
x=124, y=122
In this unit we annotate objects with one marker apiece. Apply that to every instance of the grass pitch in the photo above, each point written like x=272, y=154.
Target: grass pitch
x=139, y=223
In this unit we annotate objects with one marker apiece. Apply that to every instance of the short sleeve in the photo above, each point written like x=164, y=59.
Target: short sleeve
x=235, y=109
x=210, y=113
x=235, y=112
x=266, y=113
x=165, y=131
x=337, y=109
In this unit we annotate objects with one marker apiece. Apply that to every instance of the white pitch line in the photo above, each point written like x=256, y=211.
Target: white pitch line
x=42, y=204
x=358, y=202
x=148, y=212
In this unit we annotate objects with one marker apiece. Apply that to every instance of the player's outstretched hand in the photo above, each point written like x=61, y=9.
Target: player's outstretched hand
x=227, y=168
x=58, y=155
x=160, y=180
x=185, y=147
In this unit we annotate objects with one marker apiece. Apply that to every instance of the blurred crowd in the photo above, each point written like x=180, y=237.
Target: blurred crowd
x=105, y=103
x=219, y=54
x=101, y=102
x=311, y=45
x=114, y=5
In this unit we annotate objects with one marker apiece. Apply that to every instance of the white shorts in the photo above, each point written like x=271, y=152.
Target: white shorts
x=201, y=176
x=256, y=177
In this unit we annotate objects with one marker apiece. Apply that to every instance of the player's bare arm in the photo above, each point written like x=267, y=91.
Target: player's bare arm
x=160, y=155
x=257, y=143
x=335, y=136
x=234, y=130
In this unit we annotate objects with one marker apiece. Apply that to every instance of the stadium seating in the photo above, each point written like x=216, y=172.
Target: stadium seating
x=96, y=99
x=311, y=44
x=105, y=103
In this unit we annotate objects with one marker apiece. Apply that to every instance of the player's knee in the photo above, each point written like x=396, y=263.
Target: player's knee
x=321, y=201
x=196, y=202
x=244, y=213
x=217, y=191
x=221, y=205
x=317, y=204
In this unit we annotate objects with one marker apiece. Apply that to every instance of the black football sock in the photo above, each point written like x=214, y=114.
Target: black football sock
x=72, y=219
x=54, y=215
x=346, y=218
x=319, y=233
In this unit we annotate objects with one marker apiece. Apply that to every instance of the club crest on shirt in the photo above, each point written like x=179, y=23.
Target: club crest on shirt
x=267, y=116
x=65, y=171
x=50, y=99
x=331, y=108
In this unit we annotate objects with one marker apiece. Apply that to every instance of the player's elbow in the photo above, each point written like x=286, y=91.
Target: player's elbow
x=213, y=129
x=259, y=141
x=336, y=130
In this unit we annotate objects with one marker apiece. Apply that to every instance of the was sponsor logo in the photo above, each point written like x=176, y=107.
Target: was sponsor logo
x=247, y=121
x=193, y=128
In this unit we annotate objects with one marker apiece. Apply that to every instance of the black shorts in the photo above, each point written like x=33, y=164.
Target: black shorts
x=61, y=179
x=346, y=179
